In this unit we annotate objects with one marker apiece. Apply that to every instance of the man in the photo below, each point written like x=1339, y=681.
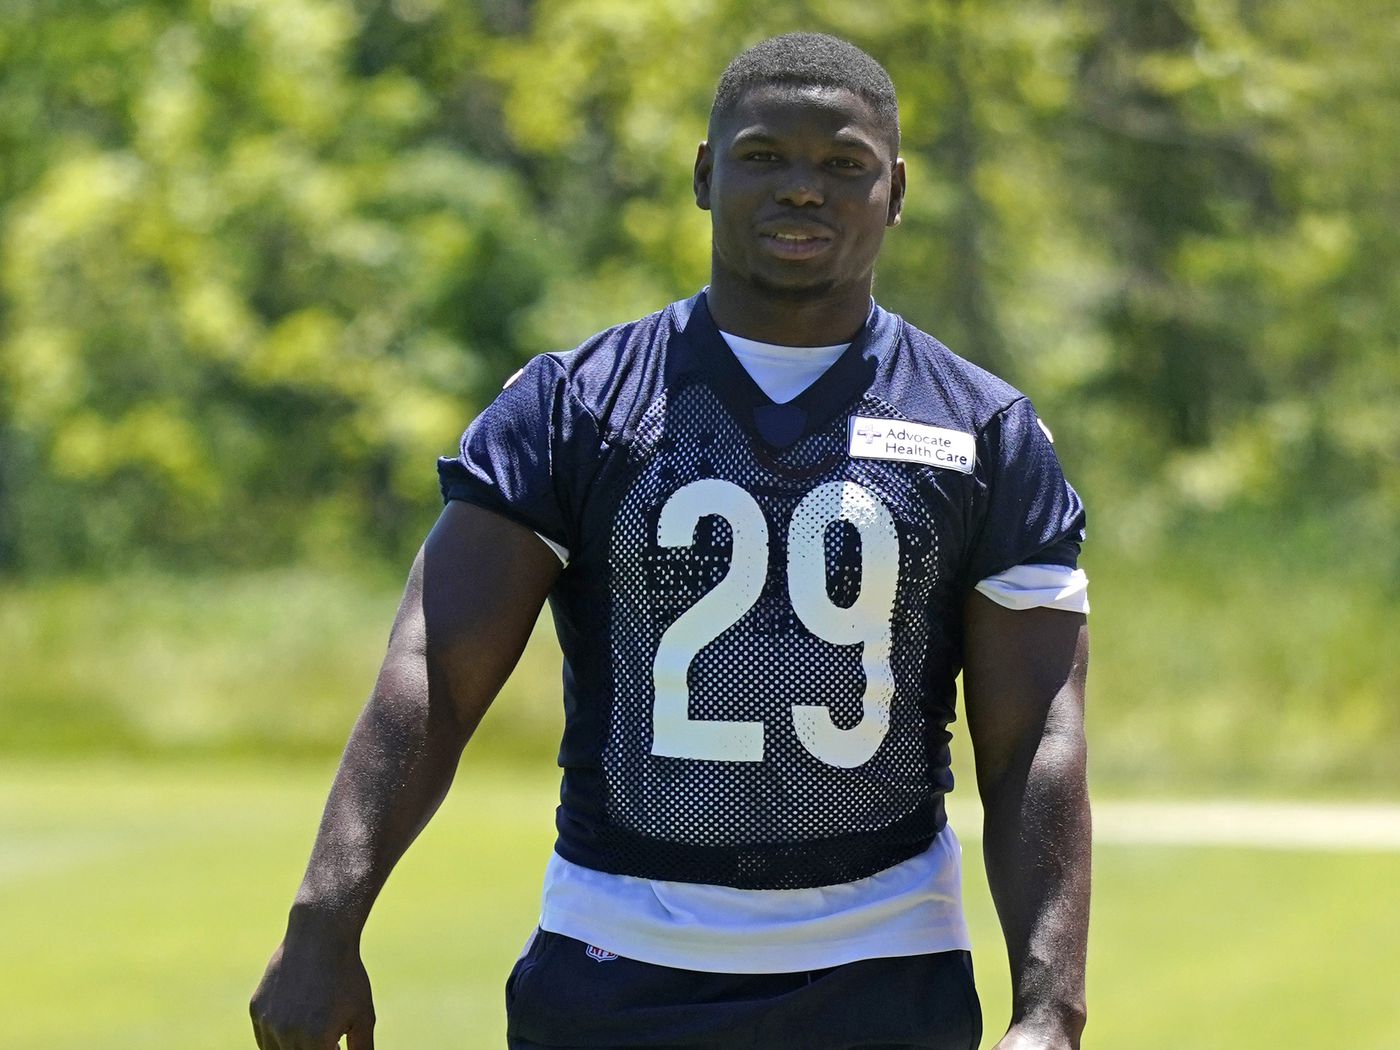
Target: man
x=773, y=521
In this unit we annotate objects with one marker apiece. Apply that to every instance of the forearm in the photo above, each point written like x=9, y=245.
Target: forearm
x=473, y=595
x=397, y=768
x=1037, y=849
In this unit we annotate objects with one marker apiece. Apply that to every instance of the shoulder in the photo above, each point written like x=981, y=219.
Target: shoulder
x=617, y=369
x=603, y=355
x=976, y=383
x=926, y=365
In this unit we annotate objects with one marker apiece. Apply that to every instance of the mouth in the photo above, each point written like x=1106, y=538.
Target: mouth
x=790, y=242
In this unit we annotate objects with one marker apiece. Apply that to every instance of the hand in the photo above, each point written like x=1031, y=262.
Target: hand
x=314, y=991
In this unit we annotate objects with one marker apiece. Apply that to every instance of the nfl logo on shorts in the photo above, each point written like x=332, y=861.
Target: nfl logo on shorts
x=600, y=954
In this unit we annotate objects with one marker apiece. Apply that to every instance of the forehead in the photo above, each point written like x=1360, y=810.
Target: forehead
x=801, y=111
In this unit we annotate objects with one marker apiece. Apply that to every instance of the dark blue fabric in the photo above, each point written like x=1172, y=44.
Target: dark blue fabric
x=565, y=995
x=1027, y=512
x=548, y=416
x=588, y=447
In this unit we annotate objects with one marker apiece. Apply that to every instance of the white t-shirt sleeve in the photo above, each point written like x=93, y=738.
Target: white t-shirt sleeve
x=1039, y=586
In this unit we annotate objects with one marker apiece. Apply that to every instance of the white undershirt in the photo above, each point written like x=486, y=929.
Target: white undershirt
x=912, y=908
x=783, y=372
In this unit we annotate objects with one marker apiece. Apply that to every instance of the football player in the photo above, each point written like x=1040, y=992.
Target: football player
x=774, y=522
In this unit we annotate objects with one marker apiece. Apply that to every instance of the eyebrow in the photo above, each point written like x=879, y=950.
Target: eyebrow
x=844, y=141
x=854, y=142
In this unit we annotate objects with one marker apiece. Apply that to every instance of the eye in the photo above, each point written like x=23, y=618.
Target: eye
x=845, y=164
x=761, y=155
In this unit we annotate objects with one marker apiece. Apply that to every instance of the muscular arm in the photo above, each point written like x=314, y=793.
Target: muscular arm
x=472, y=597
x=1024, y=695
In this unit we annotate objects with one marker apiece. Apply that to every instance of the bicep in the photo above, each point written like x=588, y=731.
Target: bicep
x=1023, y=682
x=473, y=595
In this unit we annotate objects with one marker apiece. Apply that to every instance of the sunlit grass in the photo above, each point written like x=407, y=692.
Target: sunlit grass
x=1210, y=672
x=154, y=886
x=141, y=901
x=1243, y=661
x=278, y=661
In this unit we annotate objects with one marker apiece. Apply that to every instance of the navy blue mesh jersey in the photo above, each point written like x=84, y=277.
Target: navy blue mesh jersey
x=761, y=612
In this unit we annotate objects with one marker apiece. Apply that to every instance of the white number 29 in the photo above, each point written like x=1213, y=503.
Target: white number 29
x=674, y=733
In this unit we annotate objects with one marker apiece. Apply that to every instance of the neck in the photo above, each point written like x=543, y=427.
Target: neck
x=742, y=310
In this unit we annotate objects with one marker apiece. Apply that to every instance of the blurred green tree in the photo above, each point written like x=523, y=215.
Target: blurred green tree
x=256, y=270
x=261, y=261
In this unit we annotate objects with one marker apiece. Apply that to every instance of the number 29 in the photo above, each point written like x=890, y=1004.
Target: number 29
x=868, y=620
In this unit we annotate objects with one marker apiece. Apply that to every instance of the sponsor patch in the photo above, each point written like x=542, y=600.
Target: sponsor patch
x=902, y=442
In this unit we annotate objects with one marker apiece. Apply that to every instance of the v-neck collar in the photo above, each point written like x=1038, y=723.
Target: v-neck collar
x=781, y=425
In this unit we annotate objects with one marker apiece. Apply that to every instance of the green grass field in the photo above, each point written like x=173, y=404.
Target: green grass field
x=1194, y=691
x=139, y=903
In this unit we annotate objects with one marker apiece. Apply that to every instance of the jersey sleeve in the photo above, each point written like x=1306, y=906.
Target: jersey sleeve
x=1028, y=512
x=516, y=457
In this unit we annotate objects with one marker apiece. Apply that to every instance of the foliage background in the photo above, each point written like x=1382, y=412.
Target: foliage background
x=261, y=261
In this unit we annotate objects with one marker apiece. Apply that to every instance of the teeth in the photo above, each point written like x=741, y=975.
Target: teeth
x=791, y=237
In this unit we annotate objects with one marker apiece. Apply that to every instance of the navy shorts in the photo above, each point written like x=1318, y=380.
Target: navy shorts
x=565, y=995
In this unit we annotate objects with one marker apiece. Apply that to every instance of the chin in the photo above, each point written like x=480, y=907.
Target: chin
x=793, y=293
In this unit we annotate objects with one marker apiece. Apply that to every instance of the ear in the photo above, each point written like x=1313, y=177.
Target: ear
x=897, y=187
x=704, y=168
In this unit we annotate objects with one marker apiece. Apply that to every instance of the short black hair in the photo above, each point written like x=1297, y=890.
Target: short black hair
x=810, y=60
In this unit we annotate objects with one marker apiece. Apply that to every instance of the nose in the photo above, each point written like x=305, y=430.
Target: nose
x=802, y=186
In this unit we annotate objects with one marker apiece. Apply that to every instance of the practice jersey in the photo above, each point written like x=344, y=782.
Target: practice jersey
x=761, y=611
